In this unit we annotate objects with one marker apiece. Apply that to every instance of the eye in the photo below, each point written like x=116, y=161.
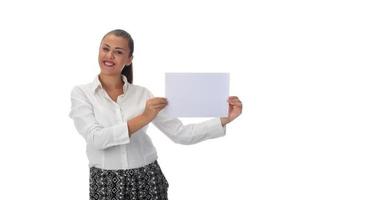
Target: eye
x=118, y=52
x=105, y=49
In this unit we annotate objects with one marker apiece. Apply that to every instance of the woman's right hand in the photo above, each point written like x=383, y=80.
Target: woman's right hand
x=153, y=106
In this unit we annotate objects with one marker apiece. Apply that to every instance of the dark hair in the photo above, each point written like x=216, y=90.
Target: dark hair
x=127, y=69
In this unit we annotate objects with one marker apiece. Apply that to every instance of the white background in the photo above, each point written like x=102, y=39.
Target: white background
x=310, y=75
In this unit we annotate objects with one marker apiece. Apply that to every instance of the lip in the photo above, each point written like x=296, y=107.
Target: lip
x=108, y=64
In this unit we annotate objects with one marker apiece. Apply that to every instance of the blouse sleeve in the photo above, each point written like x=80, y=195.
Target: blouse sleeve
x=190, y=133
x=86, y=124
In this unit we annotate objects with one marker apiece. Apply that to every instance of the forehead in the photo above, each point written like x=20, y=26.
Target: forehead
x=115, y=41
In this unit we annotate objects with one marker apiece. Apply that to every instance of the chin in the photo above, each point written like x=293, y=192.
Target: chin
x=108, y=72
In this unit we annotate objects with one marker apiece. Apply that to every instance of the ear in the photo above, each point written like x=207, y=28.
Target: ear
x=129, y=61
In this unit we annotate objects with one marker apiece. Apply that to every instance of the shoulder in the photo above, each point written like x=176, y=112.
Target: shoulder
x=137, y=89
x=81, y=90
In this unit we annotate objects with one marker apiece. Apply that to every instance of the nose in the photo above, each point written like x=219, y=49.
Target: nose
x=110, y=55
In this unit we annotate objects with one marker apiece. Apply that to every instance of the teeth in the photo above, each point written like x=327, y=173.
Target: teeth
x=108, y=63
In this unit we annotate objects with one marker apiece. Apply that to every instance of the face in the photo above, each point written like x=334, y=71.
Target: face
x=113, y=55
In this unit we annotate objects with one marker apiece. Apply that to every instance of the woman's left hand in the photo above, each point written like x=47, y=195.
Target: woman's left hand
x=235, y=109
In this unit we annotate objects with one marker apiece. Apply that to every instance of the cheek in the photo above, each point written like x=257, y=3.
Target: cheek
x=122, y=59
x=101, y=54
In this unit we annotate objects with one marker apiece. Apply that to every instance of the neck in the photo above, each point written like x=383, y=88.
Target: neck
x=111, y=82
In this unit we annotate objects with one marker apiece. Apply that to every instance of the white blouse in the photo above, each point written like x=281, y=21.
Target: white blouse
x=103, y=124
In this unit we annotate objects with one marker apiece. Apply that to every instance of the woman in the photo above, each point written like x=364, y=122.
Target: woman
x=112, y=115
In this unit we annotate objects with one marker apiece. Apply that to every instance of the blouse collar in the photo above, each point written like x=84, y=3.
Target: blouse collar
x=97, y=84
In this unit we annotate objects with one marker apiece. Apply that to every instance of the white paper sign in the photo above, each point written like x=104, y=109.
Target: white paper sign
x=197, y=94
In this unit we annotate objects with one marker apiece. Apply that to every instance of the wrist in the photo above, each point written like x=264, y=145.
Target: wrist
x=225, y=120
x=146, y=118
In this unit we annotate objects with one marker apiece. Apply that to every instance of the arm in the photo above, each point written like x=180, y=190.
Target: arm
x=93, y=132
x=194, y=133
x=153, y=106
x=190, y=133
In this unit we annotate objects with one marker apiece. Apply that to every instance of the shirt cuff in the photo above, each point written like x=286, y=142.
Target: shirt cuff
x=215, y=128
x=120, y=134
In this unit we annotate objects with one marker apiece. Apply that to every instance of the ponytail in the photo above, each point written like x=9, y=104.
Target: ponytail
x=127, y=72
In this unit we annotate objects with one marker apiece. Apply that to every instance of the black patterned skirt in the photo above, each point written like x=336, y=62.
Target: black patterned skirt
x=146, y=182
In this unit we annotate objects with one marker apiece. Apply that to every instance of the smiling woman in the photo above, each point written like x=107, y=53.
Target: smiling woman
x=116, y=50
x=112, y=115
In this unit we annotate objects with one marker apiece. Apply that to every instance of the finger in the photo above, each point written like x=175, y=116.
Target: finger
x=233, y=97
x=157, y=98
x=239, y=104
x=158, y=109
x=160, y=105
x=160, y=100
x=233, y=100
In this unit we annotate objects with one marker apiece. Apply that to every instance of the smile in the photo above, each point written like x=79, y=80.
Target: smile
x=108, y=63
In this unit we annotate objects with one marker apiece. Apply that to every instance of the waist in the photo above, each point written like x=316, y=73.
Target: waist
x=121, y=161
x=123, y=171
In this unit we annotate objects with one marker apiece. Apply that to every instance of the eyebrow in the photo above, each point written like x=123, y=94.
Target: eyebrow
x=120, y=48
